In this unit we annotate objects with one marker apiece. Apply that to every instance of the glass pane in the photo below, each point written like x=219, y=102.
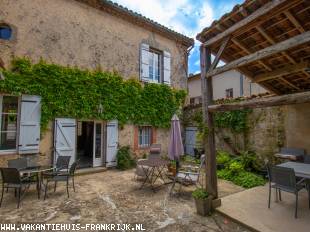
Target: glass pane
x=9, y=122
x=5, y=33
x=98, y=140
x=7, y=140
x=151, y=65
x=10, y=104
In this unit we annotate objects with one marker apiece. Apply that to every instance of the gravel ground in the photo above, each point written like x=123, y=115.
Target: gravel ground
x=114, y=197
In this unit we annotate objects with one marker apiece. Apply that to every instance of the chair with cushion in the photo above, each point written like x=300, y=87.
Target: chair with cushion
x=189, y=177
x=11, y=179
x=62, y=177
x=284, y=179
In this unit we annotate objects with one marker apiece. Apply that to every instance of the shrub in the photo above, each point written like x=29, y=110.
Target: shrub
x=124, y=158
x=248, y=160
x=235, y=167
x=223, y=157
x=248, y=180
x=244, y=179
x=200, y=193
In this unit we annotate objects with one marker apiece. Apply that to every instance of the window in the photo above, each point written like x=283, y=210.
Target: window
x=145, y=136
x=8, y=120
x=154, y=66
x=5, y=32
x=229, y=93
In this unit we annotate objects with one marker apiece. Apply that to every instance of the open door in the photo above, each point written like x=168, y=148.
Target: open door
x=112, y=142
x=65, y=138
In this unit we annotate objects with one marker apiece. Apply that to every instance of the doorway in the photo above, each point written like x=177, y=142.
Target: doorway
x=85, y=141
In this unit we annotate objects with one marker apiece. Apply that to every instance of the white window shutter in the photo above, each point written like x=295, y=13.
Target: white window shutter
x=144, y=61
x=167, y=68
x=112, y=143
x=29, y=126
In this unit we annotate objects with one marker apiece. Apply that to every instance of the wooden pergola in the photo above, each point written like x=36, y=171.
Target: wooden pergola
x=269, y=42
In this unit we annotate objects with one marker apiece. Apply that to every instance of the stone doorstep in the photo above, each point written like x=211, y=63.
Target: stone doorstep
x=85, y=171
x=236, y=221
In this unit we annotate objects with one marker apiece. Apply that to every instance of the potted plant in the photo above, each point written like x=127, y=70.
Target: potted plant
x=172, y=168
x=203, y=201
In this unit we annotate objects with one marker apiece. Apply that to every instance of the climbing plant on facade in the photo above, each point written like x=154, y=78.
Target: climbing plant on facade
x=84, y=94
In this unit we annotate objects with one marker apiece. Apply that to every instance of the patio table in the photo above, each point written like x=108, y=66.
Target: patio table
x=301, y=169
x=36, y=171
x=153, y=169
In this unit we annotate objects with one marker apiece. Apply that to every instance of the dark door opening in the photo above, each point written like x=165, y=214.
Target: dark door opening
x=85, y=143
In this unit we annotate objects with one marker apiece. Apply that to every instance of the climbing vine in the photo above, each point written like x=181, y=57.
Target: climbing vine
x=84, y=94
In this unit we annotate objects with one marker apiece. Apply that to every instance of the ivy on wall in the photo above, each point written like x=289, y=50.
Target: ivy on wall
x=84, y=94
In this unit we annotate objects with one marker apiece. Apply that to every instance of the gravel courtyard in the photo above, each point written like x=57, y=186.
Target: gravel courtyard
x=114, y=197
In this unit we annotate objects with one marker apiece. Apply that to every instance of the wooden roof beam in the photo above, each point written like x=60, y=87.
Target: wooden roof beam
x=294, y=21
x=219, y=53
x=258, y=13
x=281, y=72
x=271, y=50
x=289, y=99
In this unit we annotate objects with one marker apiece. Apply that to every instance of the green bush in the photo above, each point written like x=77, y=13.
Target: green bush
x=200, y=193
x=235, y=167
x=223, y=157
x=124, y=158
x=248, y=179
x=243, y=178
x=249, y=160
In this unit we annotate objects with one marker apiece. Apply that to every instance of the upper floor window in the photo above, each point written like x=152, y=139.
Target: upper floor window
x=5, y=32
x=229, y=93
x=155, y=65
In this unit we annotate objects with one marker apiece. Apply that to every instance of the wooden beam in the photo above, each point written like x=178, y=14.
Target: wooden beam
x=258, y=13
x=294, y=21
x=219, y=53
x=281, y=72
x=279, y=47
x=296, y=98
x=289, y=83
x=248, y=52
x=209, y=145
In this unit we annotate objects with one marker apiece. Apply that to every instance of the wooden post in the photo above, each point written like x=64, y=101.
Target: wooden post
x=209, y=142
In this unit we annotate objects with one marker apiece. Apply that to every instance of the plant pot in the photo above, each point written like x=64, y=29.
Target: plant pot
x=204, y=206
x=172, y=170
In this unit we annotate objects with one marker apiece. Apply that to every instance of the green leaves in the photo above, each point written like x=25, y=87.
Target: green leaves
x=84, y=94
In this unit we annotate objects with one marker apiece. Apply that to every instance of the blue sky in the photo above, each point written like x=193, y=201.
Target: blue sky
x=188, y=17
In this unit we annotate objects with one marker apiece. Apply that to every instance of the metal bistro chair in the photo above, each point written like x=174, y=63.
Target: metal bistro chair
x=187, y=176
x=11, y=179
x=284, y=179
x=62, y=177
x=62, y=166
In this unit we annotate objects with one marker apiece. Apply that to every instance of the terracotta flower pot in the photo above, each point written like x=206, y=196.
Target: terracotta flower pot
x=204, y=206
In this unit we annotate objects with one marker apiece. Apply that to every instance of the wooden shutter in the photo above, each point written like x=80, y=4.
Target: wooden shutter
x=65, y=138
x=167, y=68
x=112, y=143
x=144, y=61
x=29, y=126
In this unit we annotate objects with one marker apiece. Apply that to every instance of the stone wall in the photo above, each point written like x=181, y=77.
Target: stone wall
x=68, y=32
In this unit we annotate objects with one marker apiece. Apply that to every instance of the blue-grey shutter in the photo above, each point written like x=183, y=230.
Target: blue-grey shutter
x=144, y=61
x=167, y=68
x=29, y=126
x=65, y=138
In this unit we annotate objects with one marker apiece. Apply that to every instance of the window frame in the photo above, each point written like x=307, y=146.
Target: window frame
x=153, y=51
x=13, y=150
x=229, y=93
x=150, y=137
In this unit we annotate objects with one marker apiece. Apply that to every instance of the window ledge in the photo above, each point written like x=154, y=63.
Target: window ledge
x=8, y=152
x=150, y=81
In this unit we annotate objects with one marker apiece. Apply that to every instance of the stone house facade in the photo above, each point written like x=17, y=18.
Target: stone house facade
x=92, y=34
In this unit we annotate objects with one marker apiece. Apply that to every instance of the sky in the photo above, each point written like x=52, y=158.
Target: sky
x=188, y=17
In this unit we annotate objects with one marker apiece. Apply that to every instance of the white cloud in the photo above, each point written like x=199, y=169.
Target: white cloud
x=173, y=14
